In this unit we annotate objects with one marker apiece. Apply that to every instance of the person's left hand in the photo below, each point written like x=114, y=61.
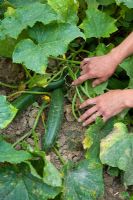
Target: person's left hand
x=106, y=105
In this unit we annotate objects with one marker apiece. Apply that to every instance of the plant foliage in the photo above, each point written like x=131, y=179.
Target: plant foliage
x=33, y=33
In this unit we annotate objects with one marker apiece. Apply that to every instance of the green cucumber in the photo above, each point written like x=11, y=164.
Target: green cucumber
x=25, y=100
x=54, y=121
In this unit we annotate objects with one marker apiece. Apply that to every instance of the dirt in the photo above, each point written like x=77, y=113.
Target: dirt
x=70, y=138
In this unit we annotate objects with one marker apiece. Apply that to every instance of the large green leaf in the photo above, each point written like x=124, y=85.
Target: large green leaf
x=17, y=183
x=103, y=49
x=66, y=9
x=21, y=3
x=43, y=169
x=92, y=3
x=127, y=66
x=94, y=91
x=7, y=112
x=105, y=2
x=18, y=19
x=98, y=24
x=51, y=175
x=84, y=182
x=53, y=41
x=9, y=154
x=128, y=3
x=6, y=47
x=117, y=151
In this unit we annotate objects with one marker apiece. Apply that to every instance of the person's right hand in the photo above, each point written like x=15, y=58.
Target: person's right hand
x=98, y=68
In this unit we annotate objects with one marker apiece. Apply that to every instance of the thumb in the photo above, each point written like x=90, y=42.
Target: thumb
x=97, y=82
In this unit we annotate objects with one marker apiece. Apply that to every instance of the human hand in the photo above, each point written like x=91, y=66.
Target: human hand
x=99, y=68
x=106, y=105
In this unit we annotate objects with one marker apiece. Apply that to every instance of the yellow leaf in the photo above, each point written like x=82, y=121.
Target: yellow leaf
x=87, y=142
x=10, y=11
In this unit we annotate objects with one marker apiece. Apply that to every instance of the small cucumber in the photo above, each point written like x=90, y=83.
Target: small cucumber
x=25, y=100
x=55, y=117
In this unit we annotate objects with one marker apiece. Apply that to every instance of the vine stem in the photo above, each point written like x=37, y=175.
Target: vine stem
x=44, y=105
x=79, y=95
x=33, y=132
x=27, y=72
x=27, y=92
x=59, y=156
x=73, y=106
x=8, y=85
x=56, y=75
x=65, y=60
x=22, y=138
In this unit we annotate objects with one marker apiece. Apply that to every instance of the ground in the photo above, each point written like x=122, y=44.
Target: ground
x=70, y=137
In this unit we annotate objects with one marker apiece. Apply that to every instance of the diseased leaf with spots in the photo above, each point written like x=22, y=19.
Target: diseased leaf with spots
x=20, y=18
x=7, y=112
x=127, y=66
x=87, y=142
x=84, y=182
x=66, y=9
x=16, y=182
x=43, y=169
x=94, y=134
x=98, y=24
x=9, y=154
x=51, y=175
x=53, y=40
x=117, y=151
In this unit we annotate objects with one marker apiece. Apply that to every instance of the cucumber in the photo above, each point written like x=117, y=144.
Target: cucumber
x=54, y=121
x=25, y=100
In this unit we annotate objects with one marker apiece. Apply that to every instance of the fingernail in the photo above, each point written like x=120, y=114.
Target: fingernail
x=73, y=83
x=79, y=120
x=84, y=124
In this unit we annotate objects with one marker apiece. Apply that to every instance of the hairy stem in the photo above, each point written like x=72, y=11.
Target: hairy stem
x=22, y=138
x=35, y=136
x=8, y=85
x=73, y=106
x=65, y=60
x=32, y=131
x=59, y=156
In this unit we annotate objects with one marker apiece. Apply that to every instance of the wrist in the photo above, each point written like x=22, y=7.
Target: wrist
x=116, y=55
x=128, y=98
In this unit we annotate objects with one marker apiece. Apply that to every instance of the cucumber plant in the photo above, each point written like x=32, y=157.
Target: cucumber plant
x=34, y=33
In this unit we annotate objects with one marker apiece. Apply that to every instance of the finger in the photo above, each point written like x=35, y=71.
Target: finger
x=84, y=62
x=81, y=79
x=97, y=82
x=84, y=71
x=88, y=113
x=105, y=119
x=89, y=102
x=91, y=119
